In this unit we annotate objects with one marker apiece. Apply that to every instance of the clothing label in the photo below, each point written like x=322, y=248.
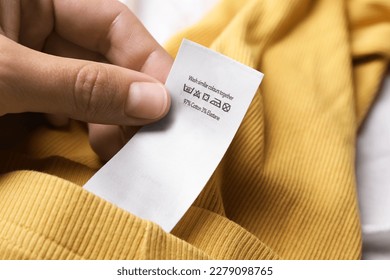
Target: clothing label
x=159, y=173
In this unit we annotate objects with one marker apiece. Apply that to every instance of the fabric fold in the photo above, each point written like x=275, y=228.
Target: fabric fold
x=286, y=187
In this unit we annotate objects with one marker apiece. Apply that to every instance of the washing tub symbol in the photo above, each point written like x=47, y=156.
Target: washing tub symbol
x=188, y=89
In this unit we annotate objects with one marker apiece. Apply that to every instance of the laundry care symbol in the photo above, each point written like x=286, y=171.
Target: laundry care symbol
x=216, y=102
x=188, y=89
x=197, y=93
x=226, y=107
x=206, y=97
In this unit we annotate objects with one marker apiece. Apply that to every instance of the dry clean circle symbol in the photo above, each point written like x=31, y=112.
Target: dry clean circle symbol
x=226, y=107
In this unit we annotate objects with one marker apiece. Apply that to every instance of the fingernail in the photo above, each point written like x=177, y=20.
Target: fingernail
x=146, y=100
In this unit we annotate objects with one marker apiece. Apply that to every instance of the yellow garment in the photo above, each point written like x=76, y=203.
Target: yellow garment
x=286, y=186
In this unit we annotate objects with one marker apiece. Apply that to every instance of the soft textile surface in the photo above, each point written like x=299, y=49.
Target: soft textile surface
x=373, y=141
x=286, y=187
x=373, y=177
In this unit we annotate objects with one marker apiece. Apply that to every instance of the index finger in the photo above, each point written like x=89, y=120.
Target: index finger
x=110, y=28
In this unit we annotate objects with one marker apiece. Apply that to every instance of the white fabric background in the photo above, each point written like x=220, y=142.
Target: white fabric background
x=165, y=18
x=373, y=177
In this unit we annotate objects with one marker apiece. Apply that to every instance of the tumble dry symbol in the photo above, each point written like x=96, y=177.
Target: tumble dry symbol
x=206, y=97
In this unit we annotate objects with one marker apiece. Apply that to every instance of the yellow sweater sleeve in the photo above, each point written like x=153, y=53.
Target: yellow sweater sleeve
x=286, y=186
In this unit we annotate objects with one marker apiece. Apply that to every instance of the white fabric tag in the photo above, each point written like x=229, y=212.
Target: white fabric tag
x=159, y=173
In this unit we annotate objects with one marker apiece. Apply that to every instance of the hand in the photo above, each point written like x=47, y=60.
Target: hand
x=88, y=60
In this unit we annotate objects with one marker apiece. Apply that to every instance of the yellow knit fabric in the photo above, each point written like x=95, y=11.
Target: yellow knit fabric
x=286, y=186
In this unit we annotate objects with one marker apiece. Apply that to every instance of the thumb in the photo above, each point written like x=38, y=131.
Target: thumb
x=32, y=81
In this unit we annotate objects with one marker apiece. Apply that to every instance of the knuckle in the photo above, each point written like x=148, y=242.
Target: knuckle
x=90, y=93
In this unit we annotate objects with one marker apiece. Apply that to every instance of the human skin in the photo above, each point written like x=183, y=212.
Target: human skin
x=87, y=60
